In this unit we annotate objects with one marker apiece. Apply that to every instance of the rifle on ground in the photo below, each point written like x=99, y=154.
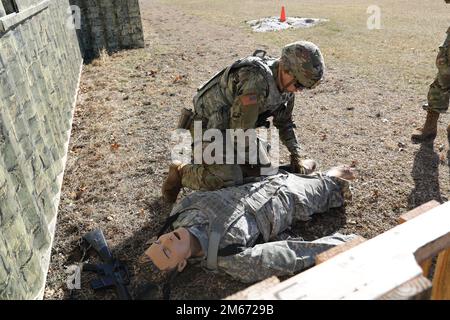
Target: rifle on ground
x=112, y=272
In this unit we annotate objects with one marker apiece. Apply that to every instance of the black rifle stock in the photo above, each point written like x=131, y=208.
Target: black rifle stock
x=112, y=272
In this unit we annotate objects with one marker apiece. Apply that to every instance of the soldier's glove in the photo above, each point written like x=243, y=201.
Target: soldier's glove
x=302, y=166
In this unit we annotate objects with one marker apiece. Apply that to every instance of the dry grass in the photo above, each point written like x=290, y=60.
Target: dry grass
x=102, y=59
x=403, y=51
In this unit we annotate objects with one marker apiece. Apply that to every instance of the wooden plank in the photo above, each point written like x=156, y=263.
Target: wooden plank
x=426, y=265
x=376, y=266
x=418, y=211
x=418, y=288
x=252, y=292
x=441, y=280
x=324, y=256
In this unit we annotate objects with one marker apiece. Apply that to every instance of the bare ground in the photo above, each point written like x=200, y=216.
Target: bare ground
x=127, y=108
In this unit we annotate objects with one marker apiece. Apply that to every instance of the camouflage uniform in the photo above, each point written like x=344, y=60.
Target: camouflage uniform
x=438, y=95
x=229, y=222
x=242, y=96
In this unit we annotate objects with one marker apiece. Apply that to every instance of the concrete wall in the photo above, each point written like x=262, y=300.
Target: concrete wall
x=109, y=24
x=40, y=65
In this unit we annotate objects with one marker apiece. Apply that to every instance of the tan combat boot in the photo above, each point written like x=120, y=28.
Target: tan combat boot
x=172, y=185
x=429, y=130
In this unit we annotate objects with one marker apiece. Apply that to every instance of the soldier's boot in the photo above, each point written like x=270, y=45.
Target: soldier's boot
x=429, y=131
x=172, y=185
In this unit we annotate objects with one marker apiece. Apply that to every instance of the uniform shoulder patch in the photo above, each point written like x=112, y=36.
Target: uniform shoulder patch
x=248, y=99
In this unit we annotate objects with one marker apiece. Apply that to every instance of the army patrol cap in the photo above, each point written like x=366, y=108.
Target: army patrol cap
x=304, y=61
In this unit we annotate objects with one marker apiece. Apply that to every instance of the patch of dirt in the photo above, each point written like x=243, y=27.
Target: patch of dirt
x=129, y=104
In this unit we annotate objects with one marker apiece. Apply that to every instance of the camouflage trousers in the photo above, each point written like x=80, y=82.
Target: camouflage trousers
x=209, y=177
x=438, y=94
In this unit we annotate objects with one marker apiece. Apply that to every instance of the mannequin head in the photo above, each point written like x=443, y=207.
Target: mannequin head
x=171, y=250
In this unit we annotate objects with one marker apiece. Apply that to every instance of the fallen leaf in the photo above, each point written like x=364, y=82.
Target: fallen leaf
x=141, y=213
x=144, y=259
x=115, y=146
x=151, y=240
x=178, y=78
x=442, y=158
x=76, y=195
x=50, y=292
x=376, y=194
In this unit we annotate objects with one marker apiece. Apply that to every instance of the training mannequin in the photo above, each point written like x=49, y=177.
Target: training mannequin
x=236, y=229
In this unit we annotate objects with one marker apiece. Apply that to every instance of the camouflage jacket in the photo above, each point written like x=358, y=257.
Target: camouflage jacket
x=262, y=210
x=243, y=96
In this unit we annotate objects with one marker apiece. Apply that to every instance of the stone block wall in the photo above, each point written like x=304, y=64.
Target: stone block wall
x=109, y=24
x=40, y=65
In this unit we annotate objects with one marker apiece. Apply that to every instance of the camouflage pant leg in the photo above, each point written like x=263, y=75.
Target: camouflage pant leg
x=438, y=95
x=211, y=177
x=278, y=258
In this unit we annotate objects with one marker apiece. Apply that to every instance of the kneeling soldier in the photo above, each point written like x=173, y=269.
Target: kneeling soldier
x=243, y=96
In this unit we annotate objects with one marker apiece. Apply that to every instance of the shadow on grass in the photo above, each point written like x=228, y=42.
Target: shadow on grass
x=425, y=173
x=321, y=225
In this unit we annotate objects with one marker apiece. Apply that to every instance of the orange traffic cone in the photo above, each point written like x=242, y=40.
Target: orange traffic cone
x=283, y=15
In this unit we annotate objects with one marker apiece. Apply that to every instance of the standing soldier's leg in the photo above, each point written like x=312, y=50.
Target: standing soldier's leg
x=438, y=95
